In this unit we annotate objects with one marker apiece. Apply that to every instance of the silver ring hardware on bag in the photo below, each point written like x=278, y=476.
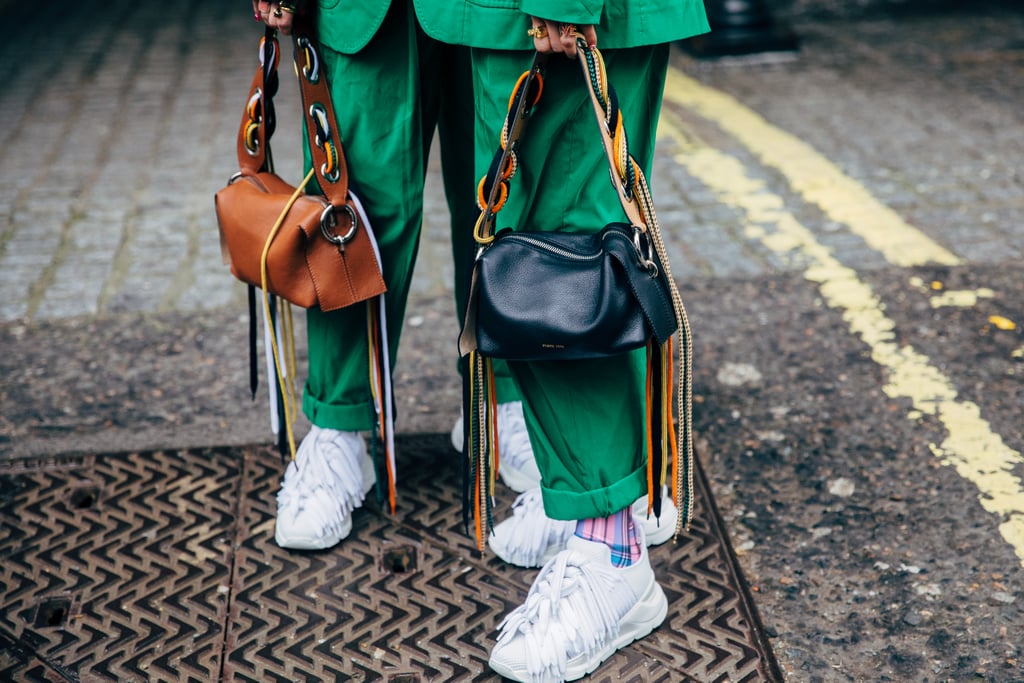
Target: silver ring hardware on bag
x=264, y=44
x=328, y=222
x=627, y=194
x=311, y=69
x=255, y=114
x=323, y=140
x=619, y=183
x=646, y=262
x=254, y=110
x=333, y=175
x=323, y=129
x=252, y=143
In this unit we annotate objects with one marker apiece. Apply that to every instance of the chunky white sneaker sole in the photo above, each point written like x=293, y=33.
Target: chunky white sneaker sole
x=656, y=531
x=647, y=615
x=289, y=533
x=517, y=658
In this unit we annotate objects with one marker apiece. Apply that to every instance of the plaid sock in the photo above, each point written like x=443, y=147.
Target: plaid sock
x=617, y=532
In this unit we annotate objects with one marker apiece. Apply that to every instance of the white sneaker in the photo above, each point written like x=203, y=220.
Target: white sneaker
x=529, y=538
x=330, y=477
x=656, y=530
x=517, y=467
x=579, y=611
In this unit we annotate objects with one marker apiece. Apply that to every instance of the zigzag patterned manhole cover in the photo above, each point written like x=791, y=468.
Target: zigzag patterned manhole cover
x=162, y=566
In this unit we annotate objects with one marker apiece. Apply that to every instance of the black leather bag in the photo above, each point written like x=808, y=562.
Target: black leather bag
x=568, y=296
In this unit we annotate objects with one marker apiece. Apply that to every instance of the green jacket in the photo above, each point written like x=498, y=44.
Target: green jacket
x=347, y=26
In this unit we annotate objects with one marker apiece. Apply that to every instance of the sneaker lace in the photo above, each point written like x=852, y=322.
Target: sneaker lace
x=574, y=606
x=325, y=479
x=529, y=532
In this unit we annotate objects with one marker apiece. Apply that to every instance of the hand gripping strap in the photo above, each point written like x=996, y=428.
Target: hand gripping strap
x=257, y=124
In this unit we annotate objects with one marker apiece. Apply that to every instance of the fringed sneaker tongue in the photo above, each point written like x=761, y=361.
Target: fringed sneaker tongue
x=574, y=606
x=326, y=479
x=529, y=537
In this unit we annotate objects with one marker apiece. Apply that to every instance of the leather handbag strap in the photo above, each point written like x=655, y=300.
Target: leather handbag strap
x=494, y=187
x=258, y=120
x=622, y=169
x=634, y=193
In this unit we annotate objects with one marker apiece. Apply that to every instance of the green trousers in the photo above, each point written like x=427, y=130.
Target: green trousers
x=389, y=98
x=585, y=418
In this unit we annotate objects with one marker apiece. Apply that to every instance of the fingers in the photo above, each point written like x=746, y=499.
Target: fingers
x=552, y=36
x=567, y=39
x=589, y=35
x=276, y=15
x=545, y=35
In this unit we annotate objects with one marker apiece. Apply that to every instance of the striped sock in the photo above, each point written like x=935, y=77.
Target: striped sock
x=617, y=532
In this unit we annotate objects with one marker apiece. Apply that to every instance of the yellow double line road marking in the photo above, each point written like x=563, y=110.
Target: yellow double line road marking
x=811, y=175
x=976, y=452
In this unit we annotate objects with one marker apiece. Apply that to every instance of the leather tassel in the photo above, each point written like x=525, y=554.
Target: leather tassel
x=282, y=434
x=668, y=430
x=656, y=456
x=467, y=436
x=648, y=430
x=375, y=452
x=275, y=386
x=493, y=455
x=494, y=459
x=381, y=387
x=480, y=450
x=479, y=446
x=483, y=452
x=254, y=375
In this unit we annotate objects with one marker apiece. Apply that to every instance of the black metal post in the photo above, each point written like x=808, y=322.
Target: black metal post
x=741, y=27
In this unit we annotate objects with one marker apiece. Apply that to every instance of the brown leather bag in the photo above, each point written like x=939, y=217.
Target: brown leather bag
x=320, y=251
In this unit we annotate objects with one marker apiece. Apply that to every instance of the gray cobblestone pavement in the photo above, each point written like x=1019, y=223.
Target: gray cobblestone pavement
x=122, y=329
x=116, y=138
x=119, y=132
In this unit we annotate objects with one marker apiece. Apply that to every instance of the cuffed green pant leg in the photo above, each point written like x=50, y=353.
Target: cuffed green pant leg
x=386, y=98
x=585, y=418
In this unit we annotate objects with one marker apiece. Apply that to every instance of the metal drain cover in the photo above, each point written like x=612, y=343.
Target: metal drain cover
x=162, y=565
